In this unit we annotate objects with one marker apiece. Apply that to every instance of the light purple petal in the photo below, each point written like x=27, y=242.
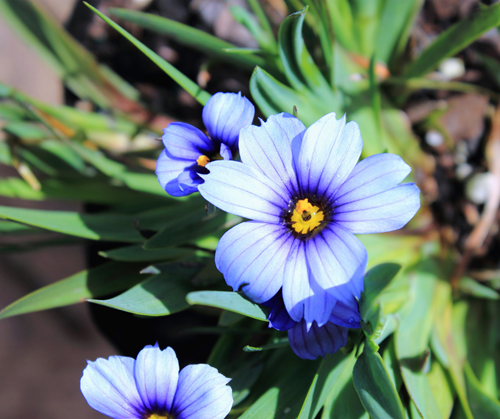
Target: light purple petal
x=202, y=393
x=242, y=190
x=330, y=150
x=385, y=211
x=317, y=341
x=268, y=148
x=225, y=152
x=346, y=316
x=337, y=261
x=303, y=297
x=184, y=141
x=168, y=169
x=156, y=373
x=279, y=318
x=109, y=387
x=189, y=180
x=252, y=255
x=225, y=114
x=372, y=175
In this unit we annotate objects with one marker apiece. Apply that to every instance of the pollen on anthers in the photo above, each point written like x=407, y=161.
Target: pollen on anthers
x=306, y=217
x=202, y=160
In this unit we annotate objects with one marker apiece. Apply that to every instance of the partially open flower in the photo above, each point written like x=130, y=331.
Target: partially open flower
x=188, y=150
x=152, y=387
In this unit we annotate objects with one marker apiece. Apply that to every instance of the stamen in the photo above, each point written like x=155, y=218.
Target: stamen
x=156, y=416
x=306, y=217
x=303, y=205
x=202, y=160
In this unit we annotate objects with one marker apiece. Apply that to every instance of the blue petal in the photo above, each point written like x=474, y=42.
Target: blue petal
x=168, y=169
x=225, y=152
x=109, y=387
x=346, y=316
x=242, y=190
x=224, y=115
x=317, y=341
x=156, y=373
x=337, y=261
x=304, y=298
x=268, y=148
x=279, y=318
x=385, y=211
x=330, y=150
x=370, y=200
x=189, y=180
x=252, y=255
x=184, y=141
x=202, y=393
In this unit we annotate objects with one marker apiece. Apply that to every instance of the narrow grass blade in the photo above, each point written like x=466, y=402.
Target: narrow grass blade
x=190, y=86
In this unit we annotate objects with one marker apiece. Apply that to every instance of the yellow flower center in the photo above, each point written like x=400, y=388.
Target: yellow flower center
x=155, y=416
x=202, y=161
x=306, y=217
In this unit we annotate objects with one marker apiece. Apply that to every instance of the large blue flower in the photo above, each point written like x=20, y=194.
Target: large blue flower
x=307, y=196
x=188, y=150
x=152, y=387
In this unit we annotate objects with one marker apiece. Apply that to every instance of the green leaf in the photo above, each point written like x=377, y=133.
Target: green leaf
x=231, y=301
x=95, y=191
x=28, y=131
x=187, y=227
x=262, y=37
x=109, y=227
x=481, y=343
x=263, y=21
x=9, y=228
x=97, y=282
x=276, y=343
x=344, y=402
x=160, y=295
x=482, y=404
x=377, y=280
x=449, y=340
x=375, y=388
x=137, y=253
x=190, y=86
x=472, y=287
x=384, y=248
x=391, y=33
x=142, y=182
x=299, y=67
x=187, y=35
x=343, y=24
x=286, y=383
x=412, y=342
x=273, y=97
x=454, y=40
x=331, y=373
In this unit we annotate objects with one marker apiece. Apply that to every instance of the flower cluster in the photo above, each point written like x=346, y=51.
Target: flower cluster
x=306, y=195
x=151, y=387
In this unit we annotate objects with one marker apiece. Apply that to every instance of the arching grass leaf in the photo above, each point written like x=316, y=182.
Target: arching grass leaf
x=97, y=282
x=231, y=301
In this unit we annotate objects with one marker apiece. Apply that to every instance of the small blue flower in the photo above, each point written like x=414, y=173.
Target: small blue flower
x=306, y=196
x=309, y=343
x=188, y=150
x=152, y=387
